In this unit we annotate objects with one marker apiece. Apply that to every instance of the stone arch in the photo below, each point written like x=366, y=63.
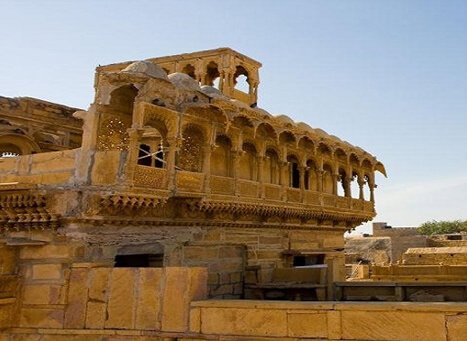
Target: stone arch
x=242, y=121
x=328, y=179
x=248, y=162
x=189, y=70
x=287, y=137
x=241, y=79
x=294, y=170
x=191, y=153
x=221, y=158
x=306, y=144
x=122, y=99
x=311, y=175
x=271, y=167
x=340, y=155
x=212, y=75
x=266, y=131
x=380, y=168
x=324, y=150
x=15, y=144
x=153, y=145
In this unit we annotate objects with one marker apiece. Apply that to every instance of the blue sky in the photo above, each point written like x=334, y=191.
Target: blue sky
x=389, y=76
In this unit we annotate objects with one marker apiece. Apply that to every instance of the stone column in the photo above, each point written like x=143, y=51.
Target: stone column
x=319, y=178
x=236, y=154
x=301, y=170
x=174, y=146
x=207, y=167
x=361, y=183
x=260, y=177
x=347, y=189
x=335, y=178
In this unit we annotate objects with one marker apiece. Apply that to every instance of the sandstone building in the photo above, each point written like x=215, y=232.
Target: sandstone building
x=180, y=181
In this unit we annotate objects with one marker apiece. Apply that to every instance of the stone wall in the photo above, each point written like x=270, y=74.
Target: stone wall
x=402, y=238
x=422, y=273
x=440, y=255
x=368, y=250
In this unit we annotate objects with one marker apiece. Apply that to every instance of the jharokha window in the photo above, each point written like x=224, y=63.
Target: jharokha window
x=190, y=157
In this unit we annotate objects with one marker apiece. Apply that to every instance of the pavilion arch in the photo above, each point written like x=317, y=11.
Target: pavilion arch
x=266, y=131
x=248, y=162
x=15, y=144
x=328, y=179
x=306, y=144
x=367, y=165
x=324, y=150
x=367, y=186
x=241, y=79
x=354, y=161
x=354, y=186
x=294, y=170
x=311, y=175
x=189, y=70
x=287, y=137
x=212, y=74
x=242, y=121
x=340, y=155
x=271, y=166
x=221, y=158
x=191, y=153
x=122, y=99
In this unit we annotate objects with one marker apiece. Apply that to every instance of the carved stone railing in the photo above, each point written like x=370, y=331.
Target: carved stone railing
x=329, y=199
x=357, y=204
x=150, y=177
x=247, y=188
x=189, y=181
x=312, y=198
x=343, y=202
x=222, y=185
x=272, y=192
x=293, y=195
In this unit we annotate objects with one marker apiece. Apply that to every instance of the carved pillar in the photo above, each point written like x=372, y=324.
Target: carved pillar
x=207, y=149
x=319, y=178
x=236, y=154
x=174, y=146
x=301, y=170
x=133, y=151
x=284, y=178
x=260, y=176
x=361, y=183
x=335, y=179
x=347, y=189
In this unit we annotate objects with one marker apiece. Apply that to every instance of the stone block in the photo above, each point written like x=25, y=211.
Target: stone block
x=99, y=284
x=75, y=313
x=457, y=327
x=47, y=271
x=198, y=284
x=41, y=318
x=393, y=325
x=122, y=300
x=46, y=252
x=43, y=294
x=95, y=315
x=237, y=321
x=195, y=320
x=201, y=252
x=307, y=325
x=105, y=167
x=175, y=306
x=148, y=300
x=334, y=325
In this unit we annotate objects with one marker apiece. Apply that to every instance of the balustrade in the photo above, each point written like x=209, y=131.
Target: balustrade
x=152, y=177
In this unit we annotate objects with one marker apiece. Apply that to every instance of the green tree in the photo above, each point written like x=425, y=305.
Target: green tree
x=442, y=227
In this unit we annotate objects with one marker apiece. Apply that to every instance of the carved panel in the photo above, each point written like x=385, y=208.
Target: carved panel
x=369, y=206
x=150, y=177
x=222, y=185
x=293, y=195
x=342, y=202
x=189, y=181
x=247, y=188
x=357, y=204
x=312, y=198
x=272, y=192
x=329, y=200
x=112, y=134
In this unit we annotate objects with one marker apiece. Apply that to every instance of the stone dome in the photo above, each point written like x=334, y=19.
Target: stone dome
x=183, y=81
x=146, y=68
x=285, y=119
x=211, y=91
x=304, y=126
